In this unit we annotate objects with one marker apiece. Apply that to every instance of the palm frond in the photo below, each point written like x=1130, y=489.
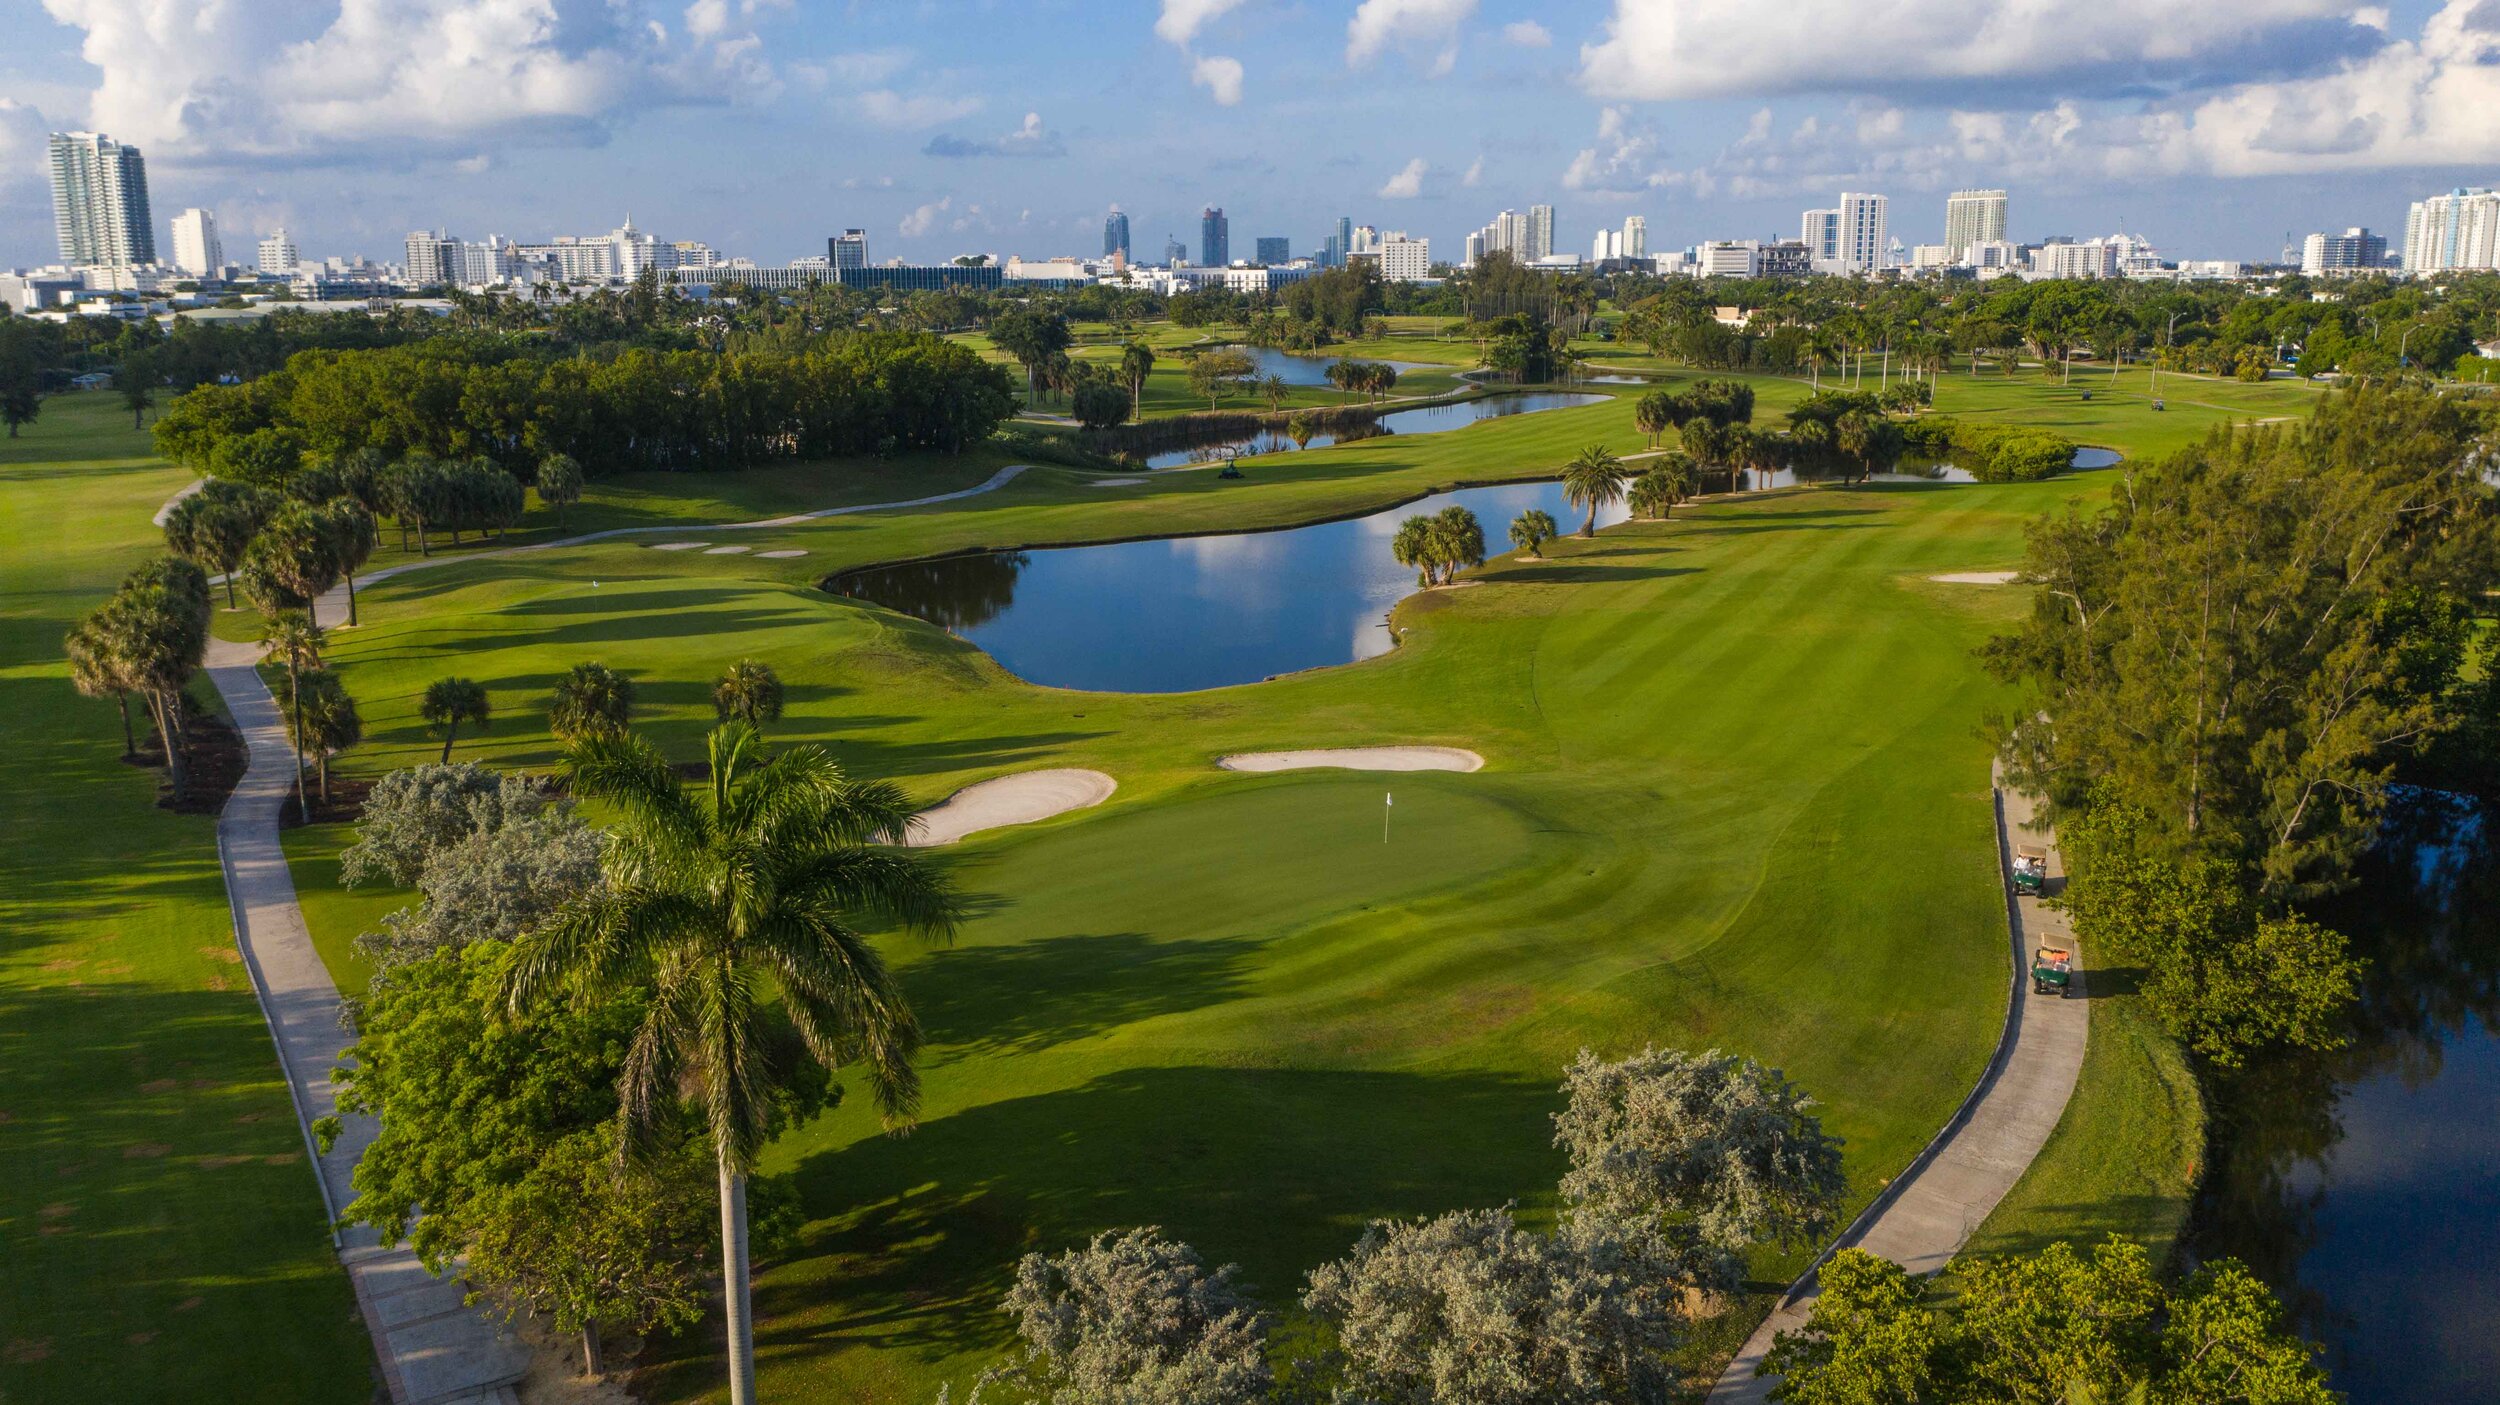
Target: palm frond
x=848, y=1007
x=630, y=771
x=888, y=883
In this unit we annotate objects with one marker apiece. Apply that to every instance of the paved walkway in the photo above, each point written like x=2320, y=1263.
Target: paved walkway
x=1928, y=1213
x=433, y=1350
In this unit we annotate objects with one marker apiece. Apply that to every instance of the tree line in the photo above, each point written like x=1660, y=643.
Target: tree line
x=855, y=394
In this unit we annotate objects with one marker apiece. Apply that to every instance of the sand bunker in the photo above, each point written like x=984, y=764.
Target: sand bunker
x=677, y=546
x=1018, y=799
x=728, y=551
x=1358, y=758
x=780, y=555
x=1114, y=482
x=1977, y=578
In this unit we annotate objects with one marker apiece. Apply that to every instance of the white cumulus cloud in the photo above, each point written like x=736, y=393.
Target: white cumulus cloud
x=1408, y=183
x=888, y=108
x=1182, y=19
x=1425, y=25
x=1475, y=174
x=1220, y=76
x=920, y=221
x=1657, y=50
x=1527, y=34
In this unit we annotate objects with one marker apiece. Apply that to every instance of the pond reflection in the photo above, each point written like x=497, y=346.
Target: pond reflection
x=1426, y=419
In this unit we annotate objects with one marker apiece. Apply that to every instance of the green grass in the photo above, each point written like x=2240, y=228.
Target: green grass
x=1737, y=797
x=162, y=1234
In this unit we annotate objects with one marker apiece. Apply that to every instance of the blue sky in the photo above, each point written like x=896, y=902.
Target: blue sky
x=762, y=125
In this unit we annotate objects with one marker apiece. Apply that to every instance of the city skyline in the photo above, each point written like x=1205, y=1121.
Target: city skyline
x=941, y=138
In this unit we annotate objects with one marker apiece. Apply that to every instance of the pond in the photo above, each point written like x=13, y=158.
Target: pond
x=1294, y=368
x=1427, y=419
x=1186, y=613
x=2365, y=1184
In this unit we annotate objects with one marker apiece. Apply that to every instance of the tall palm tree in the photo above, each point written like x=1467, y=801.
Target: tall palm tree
x=350, y=534
x=1592, y=479
x=326, y=721
x=749, y=692
x=1531, y=530
x=98, y=672
x=293, y=642
x=591, y=699
x=1136, y=359
x=753, y=885
x=448, y=702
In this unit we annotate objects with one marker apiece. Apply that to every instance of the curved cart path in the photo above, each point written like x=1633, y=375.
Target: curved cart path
x=431, y=1348
x=1925, y=1217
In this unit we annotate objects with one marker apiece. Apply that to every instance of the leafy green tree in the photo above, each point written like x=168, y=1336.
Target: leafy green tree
x=136, y=381
x=496, y=1150
x=1132, y=1318
x=759, y=877
x=21, y=387
x=1712, y=1145
x=413, y=814
x=492, y=883
x=1870, y=1339
x=1531, y=530
x=560, y=484
x=1216, y=374
x=749, y=692
x=1470, y=1309
x=1593, y=478
x=1099, y=405
x=592, y=699
x=447, y=703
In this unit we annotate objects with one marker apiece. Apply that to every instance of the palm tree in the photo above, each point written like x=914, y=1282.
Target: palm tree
x=293, y=642
x=1274, y=390
x=1299, y=430
x=449, y=702
x=749, y=692
x=591, y=700
x=1531, y=530
x=735, y=905
x=1136, y=359
x=1412, y=546
x=97, y=672
x=326, y=722
x=1591, y=480
x=1656, y=492
x=350, y=533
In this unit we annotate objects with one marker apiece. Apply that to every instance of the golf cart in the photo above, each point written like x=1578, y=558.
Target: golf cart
x=2031, y=869
x=2053, y=972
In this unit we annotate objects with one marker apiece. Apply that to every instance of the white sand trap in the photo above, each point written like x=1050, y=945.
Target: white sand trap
x=1977, y=578
x=1358, y=758
x=677, y=546
x=781, y=555
x=1114, y=482
x=1018, y=799
x=728, y=551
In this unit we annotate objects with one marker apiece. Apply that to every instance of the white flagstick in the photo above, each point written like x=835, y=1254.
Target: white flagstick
x=1386, y=800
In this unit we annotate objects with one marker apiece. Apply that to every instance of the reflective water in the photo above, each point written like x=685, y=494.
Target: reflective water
x=1913, y=469
x=1429, y=419
x=2365, y=1183
x=1189, y=612
x=1294, y=368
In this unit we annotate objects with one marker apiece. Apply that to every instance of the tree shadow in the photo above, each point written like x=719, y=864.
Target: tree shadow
x=1567, y=572
x=1020, y=998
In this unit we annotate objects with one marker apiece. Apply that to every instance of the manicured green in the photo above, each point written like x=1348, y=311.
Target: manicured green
x=1737, y=797
x=162, y=1233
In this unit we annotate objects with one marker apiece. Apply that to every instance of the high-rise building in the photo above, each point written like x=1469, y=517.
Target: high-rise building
x=100, y=201
x=433, y=258
x=1339, y=243
x=277, y=252
x=1274, y=250
x=1864, y=238
x=849, y=249
x=1472, y=250
x=2460, y=229
x=1820, y=232
x=1404, y=260
x=196, y=246
x=2354, y=249
x=1635, y=238
x=1540, y=232
x=1115, y=234
x=1215, y=238
x=1175, y=253
x=1972, y=217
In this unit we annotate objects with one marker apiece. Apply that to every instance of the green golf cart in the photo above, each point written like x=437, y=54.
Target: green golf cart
x=2053, y=972
x=2031, y=869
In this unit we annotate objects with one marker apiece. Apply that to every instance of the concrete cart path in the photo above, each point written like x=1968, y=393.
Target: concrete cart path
x=432, y=1350
x=1925, y=1217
